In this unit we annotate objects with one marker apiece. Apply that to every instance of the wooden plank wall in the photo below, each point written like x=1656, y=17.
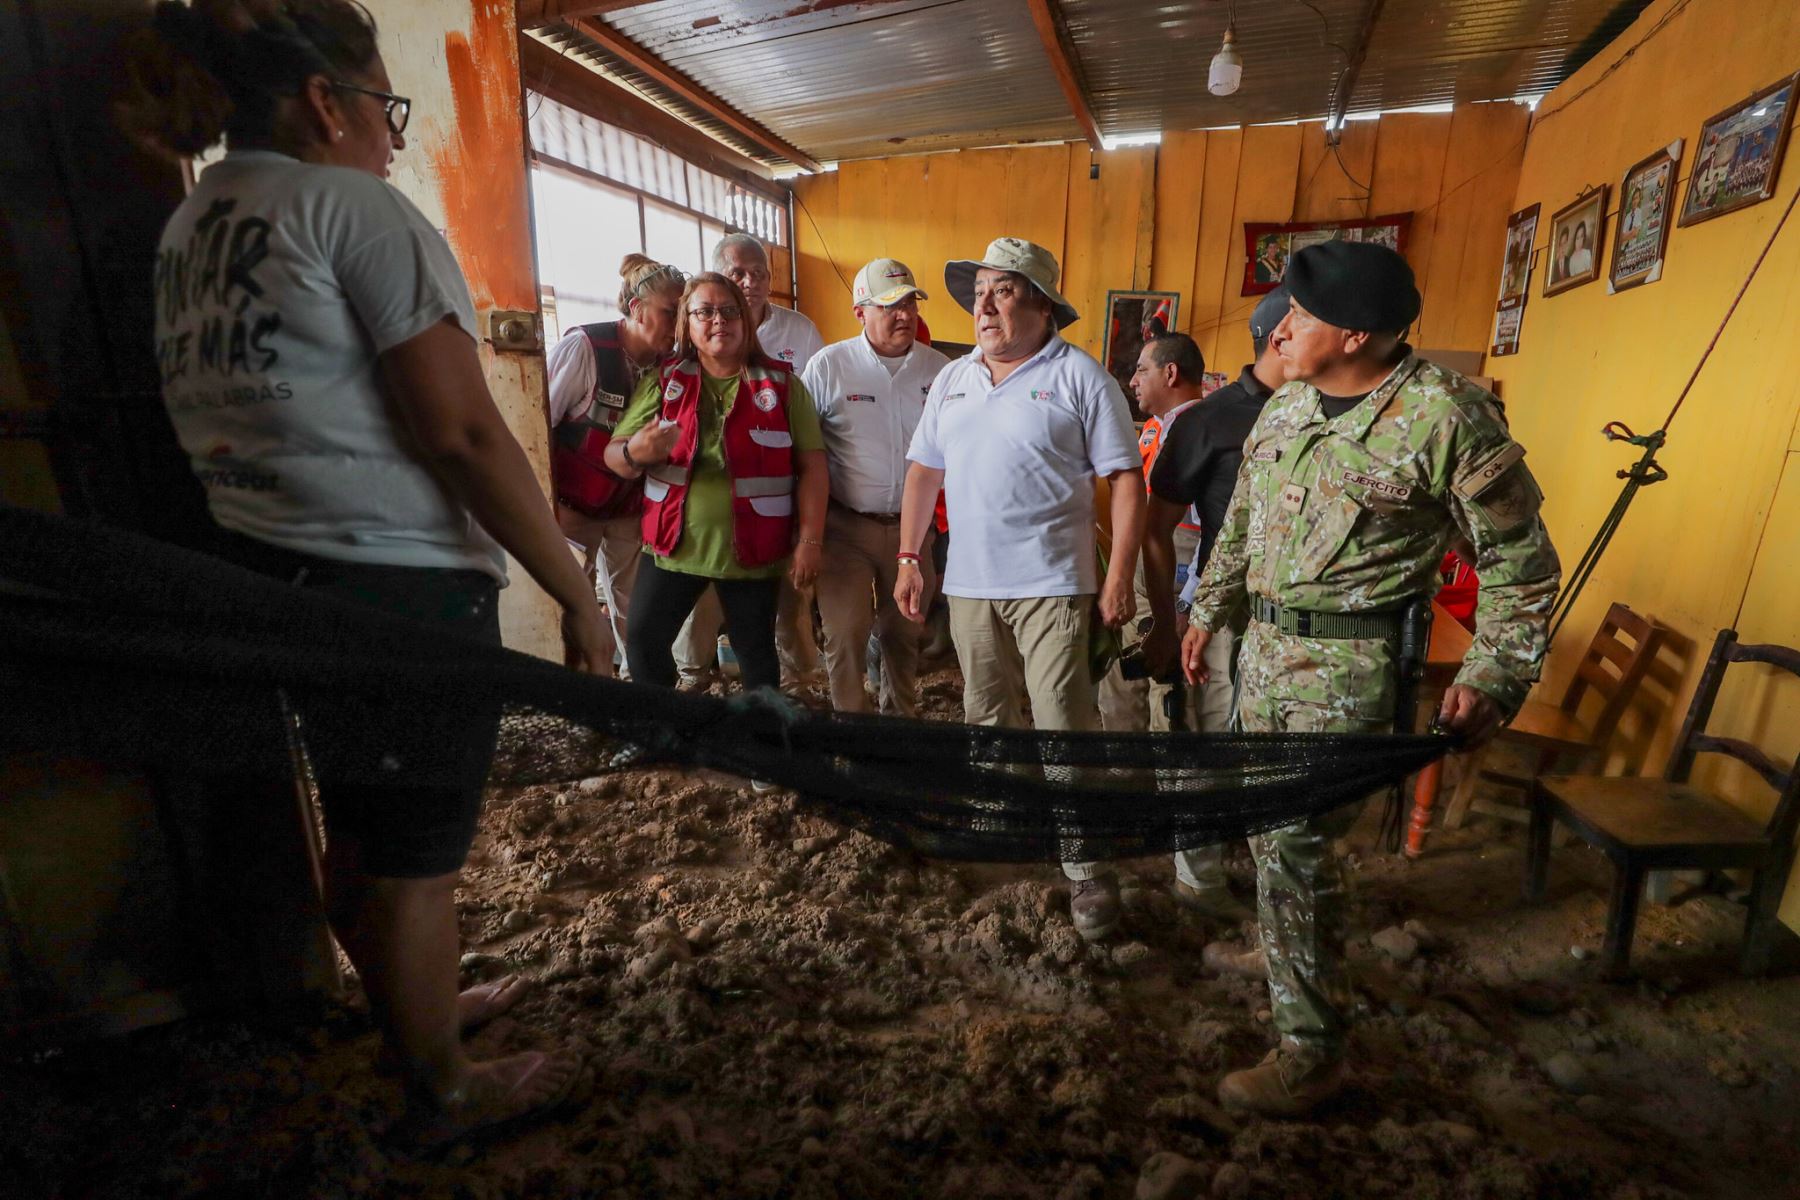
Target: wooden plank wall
x=1171, y=217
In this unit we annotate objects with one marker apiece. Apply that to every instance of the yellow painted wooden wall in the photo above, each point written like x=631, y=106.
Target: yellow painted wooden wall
x=1171, y=217
x=1719, y=543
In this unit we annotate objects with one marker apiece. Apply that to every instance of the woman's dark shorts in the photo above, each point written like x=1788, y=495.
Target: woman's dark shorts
x=403, y=831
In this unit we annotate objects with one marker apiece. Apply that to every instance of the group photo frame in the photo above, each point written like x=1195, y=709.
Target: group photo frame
x=1577, y=237
x=1268, y=246
x=1646, y=200
x=1737, y=156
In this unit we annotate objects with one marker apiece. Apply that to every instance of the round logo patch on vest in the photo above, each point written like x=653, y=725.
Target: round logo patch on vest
x=674, y=391
x=765, y=399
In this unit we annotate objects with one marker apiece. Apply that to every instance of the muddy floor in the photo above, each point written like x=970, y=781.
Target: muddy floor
x=775, y=1008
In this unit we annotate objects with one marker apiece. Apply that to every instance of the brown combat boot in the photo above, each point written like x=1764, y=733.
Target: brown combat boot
x=1283, y=1085
x=1223, y=958
x=1213, y=903
x=1094, y=907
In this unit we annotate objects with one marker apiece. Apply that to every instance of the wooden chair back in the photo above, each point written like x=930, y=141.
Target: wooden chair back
x=1622, y=650
x=1695, y=740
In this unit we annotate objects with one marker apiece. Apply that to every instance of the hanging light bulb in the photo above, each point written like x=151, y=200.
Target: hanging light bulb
x=1227, y=68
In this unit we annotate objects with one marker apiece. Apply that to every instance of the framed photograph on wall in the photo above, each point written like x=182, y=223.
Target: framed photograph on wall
x=1577, y=234
x=1133, y=318
x=1268, y=247
x=1646, y=197
x=1515, y=267
x=1508, y=319
x=1738, y=155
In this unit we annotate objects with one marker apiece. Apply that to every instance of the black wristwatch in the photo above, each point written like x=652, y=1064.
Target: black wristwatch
x=1182, y=607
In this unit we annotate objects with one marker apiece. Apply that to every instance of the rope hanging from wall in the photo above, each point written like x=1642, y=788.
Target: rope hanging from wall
x=1647, y=470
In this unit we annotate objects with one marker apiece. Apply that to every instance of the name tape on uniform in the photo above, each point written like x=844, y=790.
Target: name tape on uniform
x=1384, y=488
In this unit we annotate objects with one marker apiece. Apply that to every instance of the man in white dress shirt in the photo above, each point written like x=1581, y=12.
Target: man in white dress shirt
x=870, y=391
x=786, y=335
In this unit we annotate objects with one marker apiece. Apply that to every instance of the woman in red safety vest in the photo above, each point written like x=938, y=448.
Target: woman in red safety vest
x=727, y=442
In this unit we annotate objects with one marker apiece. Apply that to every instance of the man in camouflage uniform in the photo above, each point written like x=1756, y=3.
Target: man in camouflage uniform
x=1358, y=474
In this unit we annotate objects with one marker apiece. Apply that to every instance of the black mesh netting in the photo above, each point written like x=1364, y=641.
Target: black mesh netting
x=117, y=647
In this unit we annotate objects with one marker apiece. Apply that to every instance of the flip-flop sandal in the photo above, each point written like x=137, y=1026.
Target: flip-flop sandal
x=423, y=1131
x=497, y=998
x=492, y=999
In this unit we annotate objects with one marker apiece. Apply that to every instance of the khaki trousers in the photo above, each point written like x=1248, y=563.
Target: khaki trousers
x=1204, y=867
x=619, y=552
x=1036, y=649
x=856, y=592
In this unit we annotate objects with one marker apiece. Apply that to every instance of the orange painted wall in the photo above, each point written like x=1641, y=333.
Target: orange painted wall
x=1171, y=217
x=1718, y=544
x=464, y=166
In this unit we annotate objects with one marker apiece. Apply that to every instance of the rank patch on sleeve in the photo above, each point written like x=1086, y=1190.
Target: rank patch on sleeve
x=1474, y=482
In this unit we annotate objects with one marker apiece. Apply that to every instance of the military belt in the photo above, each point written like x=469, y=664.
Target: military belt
x=1301, y=623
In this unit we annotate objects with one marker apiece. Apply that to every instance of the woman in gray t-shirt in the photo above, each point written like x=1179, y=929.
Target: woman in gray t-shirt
x=317, y=344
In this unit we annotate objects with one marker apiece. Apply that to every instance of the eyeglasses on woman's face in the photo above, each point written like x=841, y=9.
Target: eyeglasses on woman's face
x=708, y=313
x=397, y=108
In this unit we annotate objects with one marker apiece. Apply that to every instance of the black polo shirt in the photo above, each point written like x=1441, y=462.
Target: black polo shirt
x=1202, y=450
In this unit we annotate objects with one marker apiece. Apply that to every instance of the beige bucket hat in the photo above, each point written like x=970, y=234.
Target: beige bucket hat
x=1011, y=254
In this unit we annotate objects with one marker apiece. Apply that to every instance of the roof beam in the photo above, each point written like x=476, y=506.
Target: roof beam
x=532, y=13
x=1353, y=64
x=567, y=81
x=1048, y=20
x=640, y=59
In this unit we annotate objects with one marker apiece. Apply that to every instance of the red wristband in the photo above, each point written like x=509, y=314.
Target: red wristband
x=906, y=556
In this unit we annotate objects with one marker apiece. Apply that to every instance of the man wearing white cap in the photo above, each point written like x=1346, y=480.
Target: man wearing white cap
x=785, y=334
x=870, y=391
x=1016, y=433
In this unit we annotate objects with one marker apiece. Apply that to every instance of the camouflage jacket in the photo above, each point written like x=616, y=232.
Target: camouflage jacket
x=1353, y=514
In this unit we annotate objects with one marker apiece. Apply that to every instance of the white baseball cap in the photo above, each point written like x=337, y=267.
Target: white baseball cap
x=1020, y=257
x=884, y=282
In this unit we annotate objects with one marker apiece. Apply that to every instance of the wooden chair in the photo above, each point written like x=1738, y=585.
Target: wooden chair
x=1654, y=824
x=1622, y=650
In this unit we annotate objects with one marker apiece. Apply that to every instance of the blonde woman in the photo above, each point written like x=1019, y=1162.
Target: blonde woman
x=594, y=370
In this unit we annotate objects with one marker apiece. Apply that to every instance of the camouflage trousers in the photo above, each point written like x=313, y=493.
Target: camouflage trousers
x=1309, y=685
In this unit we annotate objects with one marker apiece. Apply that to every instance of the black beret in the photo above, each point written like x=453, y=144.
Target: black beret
x=1354, y=285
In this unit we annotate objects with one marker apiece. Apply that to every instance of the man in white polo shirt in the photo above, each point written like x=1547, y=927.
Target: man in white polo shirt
x=870, y=392
x=1016, y=433
x=790, y=337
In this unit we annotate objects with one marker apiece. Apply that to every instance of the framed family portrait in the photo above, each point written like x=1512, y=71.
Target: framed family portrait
x=1646, y=198
x=1738, y=155
x=1576, y=234
x=1268, y=247
x=1133, y=318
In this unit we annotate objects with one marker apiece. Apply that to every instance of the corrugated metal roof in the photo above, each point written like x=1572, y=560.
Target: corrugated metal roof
x=856, y=78
x=569, y=40
x=1145, y=64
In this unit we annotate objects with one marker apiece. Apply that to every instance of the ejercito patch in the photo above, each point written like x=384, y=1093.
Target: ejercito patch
x=1381, y=488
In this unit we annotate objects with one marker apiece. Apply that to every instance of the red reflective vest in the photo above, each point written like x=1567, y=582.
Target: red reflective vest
x=759, y=458
x=578, y=444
